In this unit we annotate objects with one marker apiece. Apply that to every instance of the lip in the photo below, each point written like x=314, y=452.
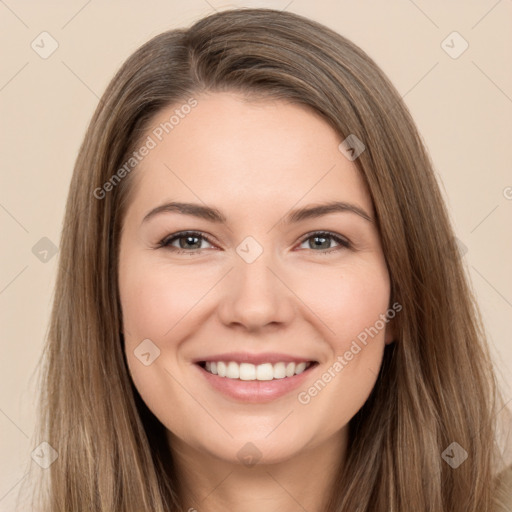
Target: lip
x=257, y=391
x=245, y=357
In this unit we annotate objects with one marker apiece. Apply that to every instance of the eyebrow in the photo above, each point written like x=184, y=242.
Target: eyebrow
x=293, y=217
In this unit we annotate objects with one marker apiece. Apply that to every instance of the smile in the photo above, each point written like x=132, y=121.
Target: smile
x=255, y=378
x=251, y=372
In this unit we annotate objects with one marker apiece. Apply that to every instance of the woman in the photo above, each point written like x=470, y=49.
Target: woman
x=203, y=353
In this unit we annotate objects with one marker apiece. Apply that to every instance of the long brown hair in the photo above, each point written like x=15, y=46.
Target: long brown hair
x=436, y=385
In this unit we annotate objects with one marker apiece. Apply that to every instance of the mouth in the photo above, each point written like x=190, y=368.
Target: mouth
x=255, y=383
x=252, y=372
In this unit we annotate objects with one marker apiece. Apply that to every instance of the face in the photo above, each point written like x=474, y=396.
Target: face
x=251, y=288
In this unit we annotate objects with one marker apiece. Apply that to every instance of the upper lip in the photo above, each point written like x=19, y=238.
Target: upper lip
x=245, y=357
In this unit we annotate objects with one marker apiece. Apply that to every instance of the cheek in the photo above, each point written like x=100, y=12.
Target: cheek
x=159, y=302
x=154, y=299
x=352, y=310
x=360, y=327
x=155, y=302
x=164, y=304
x=362, y=304
x=347, y=301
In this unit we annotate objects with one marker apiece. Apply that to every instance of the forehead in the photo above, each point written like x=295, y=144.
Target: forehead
x=228, y=150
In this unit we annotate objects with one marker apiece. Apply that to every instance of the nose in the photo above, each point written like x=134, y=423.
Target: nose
x=255, y=295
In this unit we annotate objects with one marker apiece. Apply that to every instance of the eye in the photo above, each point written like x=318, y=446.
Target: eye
x=322, y=238
x=188, y=241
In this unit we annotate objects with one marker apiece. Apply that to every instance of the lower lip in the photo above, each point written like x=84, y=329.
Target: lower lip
x=256, y=391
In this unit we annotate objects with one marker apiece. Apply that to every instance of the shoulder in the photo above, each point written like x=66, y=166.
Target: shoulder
x=503, y=493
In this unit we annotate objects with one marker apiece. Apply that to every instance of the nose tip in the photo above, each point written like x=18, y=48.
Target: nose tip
x=255, y=296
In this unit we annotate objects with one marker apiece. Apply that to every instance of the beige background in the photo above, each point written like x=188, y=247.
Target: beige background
x=462, y=107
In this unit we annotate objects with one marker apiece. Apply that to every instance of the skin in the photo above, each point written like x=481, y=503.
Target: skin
x=254, y=161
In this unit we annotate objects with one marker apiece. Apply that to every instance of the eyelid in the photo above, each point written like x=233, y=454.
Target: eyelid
x=179, y=234
x=343, y=241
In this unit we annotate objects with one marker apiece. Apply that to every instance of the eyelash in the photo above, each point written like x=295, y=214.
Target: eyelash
x=165, y=242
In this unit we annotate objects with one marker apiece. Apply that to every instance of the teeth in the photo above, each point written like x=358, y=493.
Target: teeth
x=248, y=371
x=232, y=371
x=221, y=369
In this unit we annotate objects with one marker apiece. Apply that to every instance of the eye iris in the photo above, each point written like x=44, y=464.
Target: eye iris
x=323, y=238
x=188, y=238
